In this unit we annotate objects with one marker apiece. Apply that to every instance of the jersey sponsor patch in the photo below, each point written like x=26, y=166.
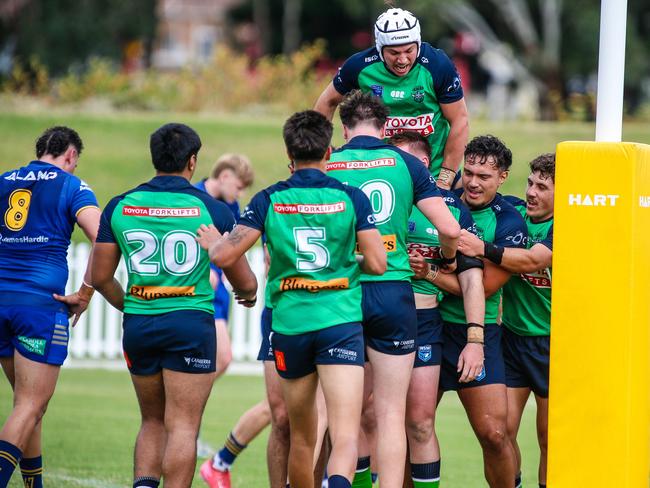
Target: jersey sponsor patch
x=155, y=292
x=374, y=163
x=428, y=252
x=421, y=123
x=390, y=243
x=309, y=209
x=313, y=286
x=31, y=176
x=541, y=279
x=132, y=211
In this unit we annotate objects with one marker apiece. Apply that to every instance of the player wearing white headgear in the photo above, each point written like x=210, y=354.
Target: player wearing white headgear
x=417, y=82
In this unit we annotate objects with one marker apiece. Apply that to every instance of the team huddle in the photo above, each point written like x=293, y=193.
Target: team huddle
x=393, y=277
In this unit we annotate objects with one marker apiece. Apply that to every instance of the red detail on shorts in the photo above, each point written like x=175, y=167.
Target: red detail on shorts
x=279, y=361
x=126, y=357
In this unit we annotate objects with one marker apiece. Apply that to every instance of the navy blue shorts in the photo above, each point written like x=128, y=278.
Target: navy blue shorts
x=266, y=351
x=429, y=341
x=37, y=333
x=184, y=340
x=526, y=359
x=390, y=322
x=297, y=355
x=454, y=340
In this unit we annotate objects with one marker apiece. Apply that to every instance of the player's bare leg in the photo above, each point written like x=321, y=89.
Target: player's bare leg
x=152, y=437
x=420, y=416
x=342, y=387
x=367, y=444
x=277, y=453
x=542, y=435
x=391, y=376
x=252, y=422
x=300, y=397
x=224, y=348
x=320, y=459
x=33, y=385
x=517, y=398
x=185, y=398
x=486, y=408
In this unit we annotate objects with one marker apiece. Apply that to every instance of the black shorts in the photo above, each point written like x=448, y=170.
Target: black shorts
x=297, y=355
x=526, y=359
x=266, y=352
x=183, y=340
x=429, y=341
x=454, y=341
x=389, y=317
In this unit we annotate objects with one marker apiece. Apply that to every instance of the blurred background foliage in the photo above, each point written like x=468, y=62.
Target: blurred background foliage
x=532, y=59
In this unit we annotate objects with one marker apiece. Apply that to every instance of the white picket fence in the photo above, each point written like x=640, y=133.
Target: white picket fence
x=98, y=334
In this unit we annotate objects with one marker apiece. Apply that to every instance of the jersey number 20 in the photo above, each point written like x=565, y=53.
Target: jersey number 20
x=179, y=252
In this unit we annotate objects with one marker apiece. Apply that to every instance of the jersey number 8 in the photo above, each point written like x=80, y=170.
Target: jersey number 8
x=16, y=214
x=179, y=252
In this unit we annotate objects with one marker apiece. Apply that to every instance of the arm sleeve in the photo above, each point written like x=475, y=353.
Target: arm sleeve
x=81, y=196
x=362, y=209
x=254, y=214
x=511, y=229
x=222, y=217
x=424, y=185
x=105, y=232
x=446, y=80
x=548, y=242
x=347, y=77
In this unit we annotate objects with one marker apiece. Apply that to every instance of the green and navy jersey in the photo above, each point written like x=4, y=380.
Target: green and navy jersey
x=155, y=227
x=501, y=224
x=414, y=100
x=394, y=181
x=39, y=203
x=423, y=237
x=527, y=296
x=310, y=222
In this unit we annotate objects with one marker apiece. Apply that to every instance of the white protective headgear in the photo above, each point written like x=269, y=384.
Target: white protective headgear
x=395, y=27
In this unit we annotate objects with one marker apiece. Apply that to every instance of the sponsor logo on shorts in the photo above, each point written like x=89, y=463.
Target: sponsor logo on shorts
x=390, y=243
x=424, y=353
x=344, y=354
x=313, y=286
x=309, y=209
x=37, y=346
x=198, y=362
x=421, y=123
x=429, y=252
x=375, y=163
x=279, y=361
x=155, y=292
x=481, y=375
x=410, y=344
x=132, y=211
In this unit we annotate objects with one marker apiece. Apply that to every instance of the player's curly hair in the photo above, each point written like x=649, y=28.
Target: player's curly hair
x=172, y=146
x=56, y=140
x=359, y=107
x=482, y=147
x=545, y=165
x=307, y=136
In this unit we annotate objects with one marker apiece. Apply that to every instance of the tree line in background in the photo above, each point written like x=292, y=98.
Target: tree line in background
x=523, y=52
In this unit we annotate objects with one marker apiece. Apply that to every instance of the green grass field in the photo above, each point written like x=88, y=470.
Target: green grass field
x=90, y=429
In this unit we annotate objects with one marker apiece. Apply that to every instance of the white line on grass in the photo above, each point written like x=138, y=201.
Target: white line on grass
x=85, y=482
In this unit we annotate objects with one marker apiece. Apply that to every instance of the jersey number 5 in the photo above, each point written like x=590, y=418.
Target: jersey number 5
x=179, y=252
x=16, y=214
x=315, y=255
